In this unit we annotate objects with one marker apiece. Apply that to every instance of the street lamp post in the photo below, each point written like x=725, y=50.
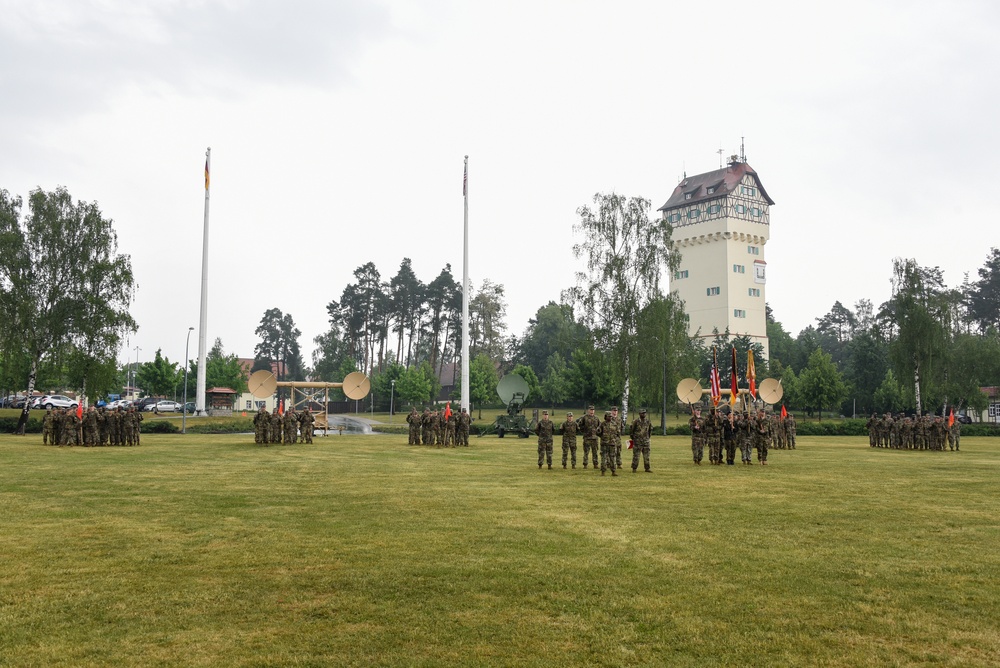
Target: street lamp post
x=186, y=365
x=135, y=374
x=392, y=394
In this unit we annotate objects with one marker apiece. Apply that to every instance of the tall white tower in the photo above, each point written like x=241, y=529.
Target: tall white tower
x=721, y=224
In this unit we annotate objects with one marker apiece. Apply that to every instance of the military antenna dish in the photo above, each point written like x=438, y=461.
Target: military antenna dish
x=510, y=385
x=356, y=385
x=689, y=391
x=262, y=384
x=771, y=391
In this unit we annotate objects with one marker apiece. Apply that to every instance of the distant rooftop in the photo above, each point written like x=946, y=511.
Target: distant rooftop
x=712, y=185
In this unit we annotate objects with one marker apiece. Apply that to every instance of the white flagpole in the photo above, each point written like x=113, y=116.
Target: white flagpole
x=465, y=293
x=199, y=405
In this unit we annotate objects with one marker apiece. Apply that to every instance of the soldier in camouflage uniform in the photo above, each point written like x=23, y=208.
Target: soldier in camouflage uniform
x=762, y=434
x=70, y=433
x=436, y=422
x=713, y=436
x=744, y=436
x=544, y=429
x=906, y=433
x=697, y=425
x=608, y=432
x=261, y=425
x=641, y=430
x=57, y=426
x=871, y=425
x=276, y=427
x=425, y=428
x=588, y=426
x=790, y=431
x=47, y=431
x=464, y=423
x=954, y=435
x=306, y=421
x=450, y=430
x=413, y=420
x=618, y=436
x=90, y=432
x=102, y=425
x=729, y=437
x=290, y=423
x=568, y=431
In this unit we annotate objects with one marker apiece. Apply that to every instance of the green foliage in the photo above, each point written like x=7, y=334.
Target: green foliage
x=9, y=425
x=820, y=385
x=280, y=342
x=414, y=387
x=63, y=283
x=888, y=398
x=221, y=370
x=534, y=388
x=483, y=379
x=159, y=377
x=159, y=427
x=555, y=385
x=553, y=330
x=984, y=300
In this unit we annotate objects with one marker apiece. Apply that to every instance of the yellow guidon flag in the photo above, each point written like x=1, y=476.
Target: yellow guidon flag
x=751, y=375
x=206, y=173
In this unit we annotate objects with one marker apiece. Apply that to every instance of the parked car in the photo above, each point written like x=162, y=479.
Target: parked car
x=145, y=404
x=188, y=407
x=166, y=406
x=54, y=401
x=119, y=403
x=17, y=401
x=964, y=419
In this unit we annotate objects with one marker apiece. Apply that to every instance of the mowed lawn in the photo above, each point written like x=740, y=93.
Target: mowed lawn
x=362, y=551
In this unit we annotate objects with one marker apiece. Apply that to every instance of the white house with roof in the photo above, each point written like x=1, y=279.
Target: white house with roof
x=721, y=222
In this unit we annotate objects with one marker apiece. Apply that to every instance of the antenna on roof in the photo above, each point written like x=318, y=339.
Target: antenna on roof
x=743, y=153
x=720, y=156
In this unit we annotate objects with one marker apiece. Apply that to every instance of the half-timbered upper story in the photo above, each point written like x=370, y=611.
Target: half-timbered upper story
x=733, y=192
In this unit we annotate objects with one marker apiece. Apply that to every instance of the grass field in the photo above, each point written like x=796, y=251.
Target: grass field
x=362, y=551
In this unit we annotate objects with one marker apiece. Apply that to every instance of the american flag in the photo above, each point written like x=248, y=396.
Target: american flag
x=714, y=379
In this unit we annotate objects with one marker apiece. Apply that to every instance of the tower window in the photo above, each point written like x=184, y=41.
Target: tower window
x=753, y=292
x=711, y=292
x=739, y=269
x=694, y=213
x=753, y=250
x=739, y=313
x=681, y=274
x=714, y=208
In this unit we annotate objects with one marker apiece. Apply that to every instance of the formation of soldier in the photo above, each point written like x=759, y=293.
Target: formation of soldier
x=924, y=432
x=746, y=432
x=95, y=427
x=283, y=428
x=445, y=429
x=606, y=434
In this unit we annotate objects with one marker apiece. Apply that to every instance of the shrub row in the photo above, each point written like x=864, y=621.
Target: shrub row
x=8, y=425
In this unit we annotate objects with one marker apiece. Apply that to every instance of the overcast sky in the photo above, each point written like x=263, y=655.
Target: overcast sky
x=338, y=131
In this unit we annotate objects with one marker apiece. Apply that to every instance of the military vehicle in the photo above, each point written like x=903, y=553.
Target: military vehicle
x=513, y=391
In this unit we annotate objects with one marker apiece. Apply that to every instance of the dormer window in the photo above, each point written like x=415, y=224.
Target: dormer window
x=687, y=195
x=711, y=189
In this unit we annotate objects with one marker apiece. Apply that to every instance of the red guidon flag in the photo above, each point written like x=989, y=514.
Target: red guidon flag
x=951, y=418
x=281, y=407
x=716, y=388
x=784, y=413
x=447, y=412
x=79, y=411
x=630, y=444
x=734, y=387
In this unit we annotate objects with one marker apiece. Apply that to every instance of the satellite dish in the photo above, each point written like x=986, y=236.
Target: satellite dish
x=510, y=385
x=262, y=384
x=689, y=391
x=771, y=391
x=356, y=385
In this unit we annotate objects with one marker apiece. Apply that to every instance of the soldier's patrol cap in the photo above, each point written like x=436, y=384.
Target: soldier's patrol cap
x=642, y=411
x=614, y=408
x=590, y=407
x=607, y=414
x=569, y=414
x=545, y=412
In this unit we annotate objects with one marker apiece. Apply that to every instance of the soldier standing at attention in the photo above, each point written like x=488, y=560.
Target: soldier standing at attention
x=259, y=420
x=954, y=434
x=641, y=431
x=762, y=434
x=47, y=428
x=607, y=432
x=90, y=433
x=436, y=422
x=744, y=427
x=544, y=429
x=697, y=435
x=413, y=420
x=425, y=428
x=137, y=426
x=102, y=426
x=790, y=431
x=618, y=436
x=306, y=421
x=568, y=430
x=451, y=430
x=276, y=427
x=588, y=427
x=713, y=434
x=729, y=437
x=871, y=426
x=464, y=422
x=291, y=424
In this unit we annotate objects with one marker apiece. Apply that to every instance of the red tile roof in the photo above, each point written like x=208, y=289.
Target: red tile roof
x=722, y=182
